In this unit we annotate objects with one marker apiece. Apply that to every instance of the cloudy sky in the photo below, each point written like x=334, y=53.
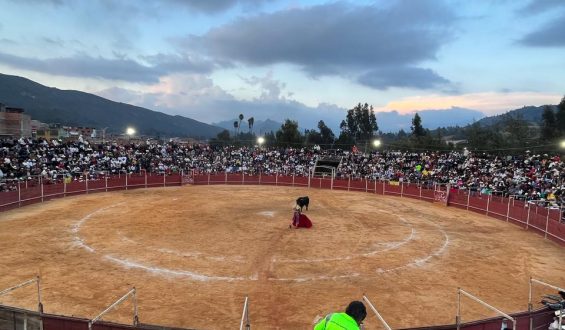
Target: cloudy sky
x=307, y=60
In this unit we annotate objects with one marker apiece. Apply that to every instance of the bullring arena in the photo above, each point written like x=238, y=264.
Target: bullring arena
x=194, y=252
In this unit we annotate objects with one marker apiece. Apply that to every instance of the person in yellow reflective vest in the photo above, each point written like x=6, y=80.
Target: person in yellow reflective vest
x=352, y=319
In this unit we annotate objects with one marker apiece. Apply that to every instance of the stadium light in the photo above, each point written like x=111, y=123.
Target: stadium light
x=562, y=144
x=130, y=131
x=376, y=143
x=260, y=140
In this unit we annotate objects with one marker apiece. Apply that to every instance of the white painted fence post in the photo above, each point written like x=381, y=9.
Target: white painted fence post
x=508, y=210
x=488, y=202
x=19, y=194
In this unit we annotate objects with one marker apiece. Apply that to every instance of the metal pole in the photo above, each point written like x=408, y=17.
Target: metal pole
x=490, y=307
x=243, y=314
x=401, y=189
x=8, y=290
x=366, y=185
x=458, y=316
x=376, y=312
x=106, y=179
x=164, y=178
x=225, y=177
x=145, y=172
x=420, y=191
x=87, y=182
x=349, y=183
x=119, y=301
x=41, y=184
x=530, y=307
x=127, y=181
x=293, y=179
x=135, y=317
x=39, y=304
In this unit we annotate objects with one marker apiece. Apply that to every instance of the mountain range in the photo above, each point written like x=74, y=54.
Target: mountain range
x=74, y=108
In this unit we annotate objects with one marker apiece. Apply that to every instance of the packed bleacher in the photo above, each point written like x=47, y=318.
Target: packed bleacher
x=538, y=177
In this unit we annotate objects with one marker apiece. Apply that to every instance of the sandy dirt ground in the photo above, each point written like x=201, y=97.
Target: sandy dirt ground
x=195, y=252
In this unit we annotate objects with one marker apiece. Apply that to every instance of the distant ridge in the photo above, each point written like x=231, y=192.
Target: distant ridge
x=74, y=108
x=530, y=114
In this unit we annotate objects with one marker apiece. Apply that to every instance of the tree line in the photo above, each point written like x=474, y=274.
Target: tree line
x=359, y=128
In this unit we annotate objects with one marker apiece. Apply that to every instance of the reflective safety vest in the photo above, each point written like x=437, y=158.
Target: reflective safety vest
x=337, y=321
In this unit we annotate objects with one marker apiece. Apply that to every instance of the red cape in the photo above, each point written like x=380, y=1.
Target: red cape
x=301, y=222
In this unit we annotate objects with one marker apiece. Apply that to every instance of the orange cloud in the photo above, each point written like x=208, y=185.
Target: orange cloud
x=489, y=103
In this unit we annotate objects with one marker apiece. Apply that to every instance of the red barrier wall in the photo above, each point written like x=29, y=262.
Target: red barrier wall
x=44, y=192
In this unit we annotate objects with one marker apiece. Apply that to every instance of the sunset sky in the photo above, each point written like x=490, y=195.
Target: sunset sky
x=211, y=60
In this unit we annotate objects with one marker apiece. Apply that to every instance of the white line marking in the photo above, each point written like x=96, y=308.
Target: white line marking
x=179, y=273
x=78, y=241
x=390, y=246
x=315, y=278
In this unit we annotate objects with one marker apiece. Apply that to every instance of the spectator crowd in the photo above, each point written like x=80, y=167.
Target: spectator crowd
x=529, y=176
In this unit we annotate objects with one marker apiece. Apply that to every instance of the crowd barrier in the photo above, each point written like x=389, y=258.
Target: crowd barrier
x=547, y=222
x=13, y=318
x=36, y=192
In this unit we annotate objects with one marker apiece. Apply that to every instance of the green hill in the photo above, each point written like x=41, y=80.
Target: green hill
x=74, y=108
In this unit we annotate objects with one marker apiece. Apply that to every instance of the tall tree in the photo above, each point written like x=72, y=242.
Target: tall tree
x=360, y=124
x=250, y=122
x=518, y=130
x=417, y=128
x=549, y=129
x=288, y=135
x=240, y=119
x=560, y=117
x=326, y=135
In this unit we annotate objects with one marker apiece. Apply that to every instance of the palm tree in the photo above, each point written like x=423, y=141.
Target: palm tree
x=250, y=121
x=240, y=119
